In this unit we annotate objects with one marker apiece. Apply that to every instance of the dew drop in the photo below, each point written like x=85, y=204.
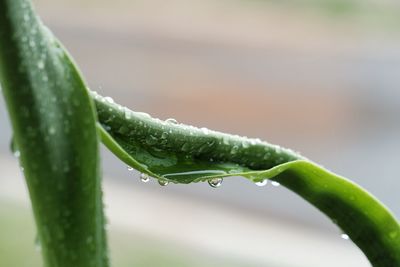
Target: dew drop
x=262, y=183
x=275, y=183
x=245, y=144
x=205, y=131
x=129, y=168
x=52, y=130
x=163, y=182
x=215, y=182
x=127, y=113
x=171, y=120
x=164, y=135
x=144, y=177
x=393, y=234
x=234, y=150
x=109, y=99
x=344, y=236
x=40, y=64
x=151, y=140
x=16, y=153
x=38, y=245
x=32, y=43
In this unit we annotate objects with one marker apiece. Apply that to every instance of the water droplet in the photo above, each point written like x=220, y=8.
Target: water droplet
x=215, y=182
x=344, y=236
x=109, y=99
x=128, y=113
x=205, y=131
x=186, y=147
x=38, y=245
x=234, y=150
x=262, y=183
x=393, y=234
x=129, y=168
x=164, y=135
x=16, y=153
x=245, y=144
x=275, y=183
x=171, y=120
x=144, y=177
x=52, y=130
x=151, y=140
x=163, y=182
x=40, y=64
x=32, y=43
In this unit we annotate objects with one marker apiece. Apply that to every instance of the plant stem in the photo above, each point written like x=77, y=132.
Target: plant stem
x=54, y=126
x=180, y=153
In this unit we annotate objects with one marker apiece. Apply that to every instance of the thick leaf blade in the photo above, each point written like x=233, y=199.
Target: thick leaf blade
x=54, y=126
x=185, y=154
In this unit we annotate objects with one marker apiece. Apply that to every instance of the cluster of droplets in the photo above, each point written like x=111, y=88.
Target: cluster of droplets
x=265, y=182
x=145, y=178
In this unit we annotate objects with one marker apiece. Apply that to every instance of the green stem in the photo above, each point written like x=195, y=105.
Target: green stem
x=54, y=126
x=183, y=154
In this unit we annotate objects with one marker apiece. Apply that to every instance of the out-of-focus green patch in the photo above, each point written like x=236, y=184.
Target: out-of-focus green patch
x=17, y=247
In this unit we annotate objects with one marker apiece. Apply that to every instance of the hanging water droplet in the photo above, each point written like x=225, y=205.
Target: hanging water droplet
x=163, y=182
x=171, y=120
x=144, y=177
x=275, y=183
x=215, y=182
x=262, y=183
x=344, y=236
x=129, y=168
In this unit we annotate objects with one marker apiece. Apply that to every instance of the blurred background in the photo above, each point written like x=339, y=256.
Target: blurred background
x=321, y=77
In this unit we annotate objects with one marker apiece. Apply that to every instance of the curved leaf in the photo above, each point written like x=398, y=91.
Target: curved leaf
x=184, y=154
x=54, y=125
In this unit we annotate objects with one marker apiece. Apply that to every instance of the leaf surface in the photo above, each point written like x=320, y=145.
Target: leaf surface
x=184, y=154
x=54, y=126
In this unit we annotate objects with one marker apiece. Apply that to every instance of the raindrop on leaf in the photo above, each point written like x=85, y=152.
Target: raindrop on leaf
x=171, y=120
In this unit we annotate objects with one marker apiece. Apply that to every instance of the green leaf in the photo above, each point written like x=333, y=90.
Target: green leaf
x=54, y=126
x=183, y=154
